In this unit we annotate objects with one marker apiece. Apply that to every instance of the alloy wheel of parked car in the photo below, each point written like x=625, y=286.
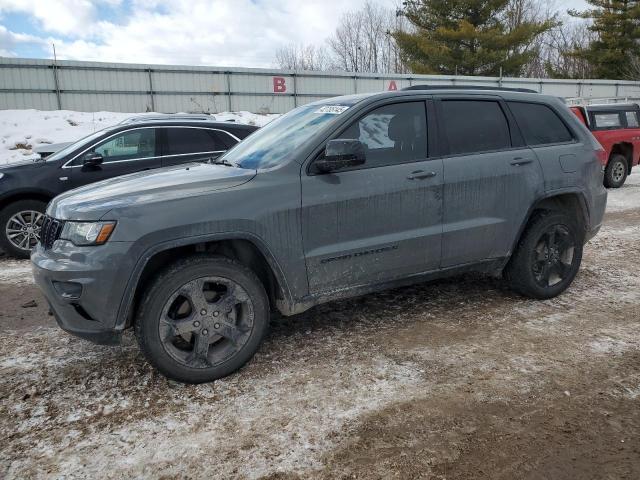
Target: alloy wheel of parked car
x=21, y=223
x=202, y=319
x=616, y=172
x=206, y=321
x=547, y=257
x=553, y=256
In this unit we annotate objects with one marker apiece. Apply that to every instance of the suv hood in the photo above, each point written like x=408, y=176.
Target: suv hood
x=93, y=201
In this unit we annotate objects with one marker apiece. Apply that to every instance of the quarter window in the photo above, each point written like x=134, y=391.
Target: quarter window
x=392, y=134
x=539, y=124
x=191, y=140
x=632, y=119
x=473, y=126
x=607, y=120
x=139, y=143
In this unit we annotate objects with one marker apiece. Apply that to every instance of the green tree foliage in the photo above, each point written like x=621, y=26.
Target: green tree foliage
x=616, y=28
x=468, y=37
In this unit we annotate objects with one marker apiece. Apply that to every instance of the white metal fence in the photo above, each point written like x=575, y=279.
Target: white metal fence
x=94, y=86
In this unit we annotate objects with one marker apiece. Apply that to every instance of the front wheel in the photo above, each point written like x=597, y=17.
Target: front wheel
x=20, y=224
x=202, y=319
x=547, y=258
x=616, y=172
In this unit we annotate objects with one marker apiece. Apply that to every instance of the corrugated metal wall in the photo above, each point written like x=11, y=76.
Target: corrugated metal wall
x=93, y=86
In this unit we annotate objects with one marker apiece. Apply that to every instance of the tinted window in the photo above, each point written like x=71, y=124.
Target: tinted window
x=224, y=140
x=632, y=119
x=140, y=143
x=475, y=126
x=392, y=134
x=607, y=120
x=539, y=124
x=190, y=140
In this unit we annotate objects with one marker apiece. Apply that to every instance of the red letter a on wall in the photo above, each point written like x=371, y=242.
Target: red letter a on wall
x=392, y=85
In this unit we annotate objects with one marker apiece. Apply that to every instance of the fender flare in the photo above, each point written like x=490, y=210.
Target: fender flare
x=546, y=195
x=126, y=303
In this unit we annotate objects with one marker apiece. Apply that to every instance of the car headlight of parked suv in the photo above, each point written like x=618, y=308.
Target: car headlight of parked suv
x=87, y=233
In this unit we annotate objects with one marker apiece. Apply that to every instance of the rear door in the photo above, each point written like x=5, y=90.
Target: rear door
x=381, y=220
x=185, y=144
x=632, y=129
x=490, y=179
x=124, y=152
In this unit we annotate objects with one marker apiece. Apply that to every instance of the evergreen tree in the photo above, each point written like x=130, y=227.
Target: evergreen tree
x=616, y=25
x=468, y=37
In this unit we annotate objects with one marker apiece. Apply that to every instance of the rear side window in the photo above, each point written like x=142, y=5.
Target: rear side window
x=539, y=124
x=607, y=120
x=632, y=119
x=191, y=140
x=474, y=126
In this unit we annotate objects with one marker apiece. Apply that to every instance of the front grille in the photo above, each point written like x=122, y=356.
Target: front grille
x=50, y=231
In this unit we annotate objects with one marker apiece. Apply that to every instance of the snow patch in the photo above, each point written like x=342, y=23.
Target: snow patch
x=15, y=272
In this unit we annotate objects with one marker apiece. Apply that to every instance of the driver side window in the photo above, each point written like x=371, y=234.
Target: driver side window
x=392, y=134
x=139, y=143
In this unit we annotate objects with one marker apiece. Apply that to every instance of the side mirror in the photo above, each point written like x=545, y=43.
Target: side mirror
x=341, y=153
x=91, y=159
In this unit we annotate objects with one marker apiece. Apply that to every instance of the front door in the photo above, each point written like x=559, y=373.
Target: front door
x=381, y=220
x=125, y=152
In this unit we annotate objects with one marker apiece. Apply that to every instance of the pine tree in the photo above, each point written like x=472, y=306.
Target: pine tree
x=468, y=37
x=616, y=25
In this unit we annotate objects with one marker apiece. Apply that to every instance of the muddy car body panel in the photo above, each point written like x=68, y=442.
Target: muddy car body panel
x=416, y=208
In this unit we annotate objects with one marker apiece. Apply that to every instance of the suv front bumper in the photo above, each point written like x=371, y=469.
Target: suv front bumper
x=84, y=286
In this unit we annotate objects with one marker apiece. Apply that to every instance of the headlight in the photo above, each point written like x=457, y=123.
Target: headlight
x=87, y=233
x=1, y=175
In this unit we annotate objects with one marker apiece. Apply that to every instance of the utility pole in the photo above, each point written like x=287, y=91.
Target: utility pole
x=55, y=77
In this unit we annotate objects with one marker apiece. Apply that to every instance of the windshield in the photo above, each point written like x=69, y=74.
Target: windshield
x=75, y=145
x=272, y=144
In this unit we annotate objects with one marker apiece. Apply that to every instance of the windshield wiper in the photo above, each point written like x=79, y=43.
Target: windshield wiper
x=221, y=161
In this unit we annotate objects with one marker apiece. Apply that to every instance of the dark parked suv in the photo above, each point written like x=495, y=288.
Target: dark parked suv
x=334, y=199
x=140, y=143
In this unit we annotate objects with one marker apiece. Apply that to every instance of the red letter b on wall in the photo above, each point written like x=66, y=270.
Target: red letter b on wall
x=279, y=85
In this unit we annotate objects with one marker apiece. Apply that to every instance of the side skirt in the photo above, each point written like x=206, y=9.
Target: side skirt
x=492, y=267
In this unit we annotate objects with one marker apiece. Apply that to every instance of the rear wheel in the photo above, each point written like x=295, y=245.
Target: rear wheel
x=20, y=224
x=202, y=319
x=547, y=258
x=616, y=172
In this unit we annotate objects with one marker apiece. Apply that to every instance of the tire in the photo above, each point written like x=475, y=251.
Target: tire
x=534, y=260
x=616, y=172
x=12, y=217
x=202, y=339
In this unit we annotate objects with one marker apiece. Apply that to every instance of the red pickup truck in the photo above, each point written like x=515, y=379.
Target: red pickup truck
x=617, y=128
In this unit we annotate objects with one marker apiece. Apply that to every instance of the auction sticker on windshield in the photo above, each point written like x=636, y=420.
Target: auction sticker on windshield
x=332, y=109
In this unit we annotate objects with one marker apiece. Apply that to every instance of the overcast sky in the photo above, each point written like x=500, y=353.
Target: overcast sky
x=189, y=32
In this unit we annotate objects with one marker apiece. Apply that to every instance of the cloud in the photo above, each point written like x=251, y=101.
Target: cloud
x=58, y=16
x=206, y=32
x=9, y=41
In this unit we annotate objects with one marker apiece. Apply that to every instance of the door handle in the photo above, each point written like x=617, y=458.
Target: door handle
x=516, y=162
x=420, y=174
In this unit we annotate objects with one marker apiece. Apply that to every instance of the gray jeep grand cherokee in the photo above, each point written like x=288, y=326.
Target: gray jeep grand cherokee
x=334, y=199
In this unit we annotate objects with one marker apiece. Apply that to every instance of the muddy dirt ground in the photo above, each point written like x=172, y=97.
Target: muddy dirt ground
x=459, y=379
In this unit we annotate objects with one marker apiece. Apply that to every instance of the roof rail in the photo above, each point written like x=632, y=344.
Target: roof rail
x=167, y=116
x=468, y=87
